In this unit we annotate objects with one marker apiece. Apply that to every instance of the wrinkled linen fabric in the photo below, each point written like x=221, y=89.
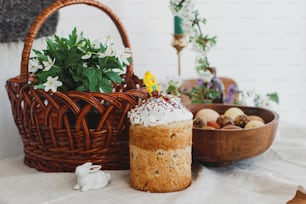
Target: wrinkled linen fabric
x=271, y=178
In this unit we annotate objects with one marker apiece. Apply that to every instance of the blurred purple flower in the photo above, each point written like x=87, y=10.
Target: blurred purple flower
x=232, y=89
x=200, y=82
x=209, y=85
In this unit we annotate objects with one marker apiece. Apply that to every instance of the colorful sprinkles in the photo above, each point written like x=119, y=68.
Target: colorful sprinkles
x=159, y=110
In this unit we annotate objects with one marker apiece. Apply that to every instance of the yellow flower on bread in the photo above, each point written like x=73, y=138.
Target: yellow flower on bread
x=150, y=82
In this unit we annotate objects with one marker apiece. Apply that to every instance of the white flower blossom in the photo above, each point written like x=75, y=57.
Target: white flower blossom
x=197, y=48
x=172, y=9
x=109, y=52
x=123, y=55
x=48, y=64
x=173, y=82
x=247, y=98
x=252, y=98
x=95, y=44
x=205, y=75
x=191, y=25
x=52, y=84
x=86, y=56
x=34, y=65
x=80, y=48
x=266, y=102
x=108, y=37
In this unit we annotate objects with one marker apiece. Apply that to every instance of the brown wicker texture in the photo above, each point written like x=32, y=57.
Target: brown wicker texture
x=64, y=129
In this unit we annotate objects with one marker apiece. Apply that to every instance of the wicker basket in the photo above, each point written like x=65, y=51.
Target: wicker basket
x=64, y=129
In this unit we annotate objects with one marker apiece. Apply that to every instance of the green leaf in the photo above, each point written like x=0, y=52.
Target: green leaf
x=78, y=70
x=213, y=94
x=81, y=88
x=194, y=90
x=196, y=101
x=274, y=97
x=111, y=63
x=40, y=86
x=62, y=44
x=114, y=76
x=41, y=57
x=51, y=46
x=90, y=74
x=102, y=48
x=43, y=75
x=106, y=86
x=77, y=78
x=73, y=57
x=37, y=52
x=73, y=37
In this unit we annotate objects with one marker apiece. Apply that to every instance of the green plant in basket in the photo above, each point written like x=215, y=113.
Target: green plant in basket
x=76, y=63
x=203, y=93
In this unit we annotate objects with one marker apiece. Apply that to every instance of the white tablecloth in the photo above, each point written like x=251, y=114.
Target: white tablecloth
x=271, y=178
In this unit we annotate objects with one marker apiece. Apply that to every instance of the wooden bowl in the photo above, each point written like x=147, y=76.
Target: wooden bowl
x=221, y=147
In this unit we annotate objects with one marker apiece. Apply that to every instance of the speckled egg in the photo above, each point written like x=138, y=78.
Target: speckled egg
x=224, y=120
x=241, y=120
x=199, y=123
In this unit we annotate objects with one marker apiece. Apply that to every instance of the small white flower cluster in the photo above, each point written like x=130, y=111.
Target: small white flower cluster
x=205, y=75
x=170, y=85
x=252, y=98
x=121, y=53
x=191, y=25
x=112, y=50
x=200, y=66
x=34, y=64
x=186, y=10
x=52, y=84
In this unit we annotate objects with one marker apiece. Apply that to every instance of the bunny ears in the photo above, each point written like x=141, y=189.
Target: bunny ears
x=91, y=168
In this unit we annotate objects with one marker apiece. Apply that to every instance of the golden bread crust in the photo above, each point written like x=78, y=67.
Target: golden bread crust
x=159, y=161
x=170, y=136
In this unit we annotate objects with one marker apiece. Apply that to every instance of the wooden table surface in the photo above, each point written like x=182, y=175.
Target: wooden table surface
x=300, y=198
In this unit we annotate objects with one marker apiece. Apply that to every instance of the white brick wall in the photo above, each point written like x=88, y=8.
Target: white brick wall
x=261, y=44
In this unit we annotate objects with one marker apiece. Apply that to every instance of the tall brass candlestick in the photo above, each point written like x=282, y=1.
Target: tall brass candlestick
x=179, y=42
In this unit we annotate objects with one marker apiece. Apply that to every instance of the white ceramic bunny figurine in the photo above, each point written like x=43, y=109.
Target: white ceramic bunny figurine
x=90, y=177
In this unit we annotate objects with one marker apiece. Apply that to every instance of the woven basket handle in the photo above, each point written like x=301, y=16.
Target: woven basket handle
x=51, y=9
